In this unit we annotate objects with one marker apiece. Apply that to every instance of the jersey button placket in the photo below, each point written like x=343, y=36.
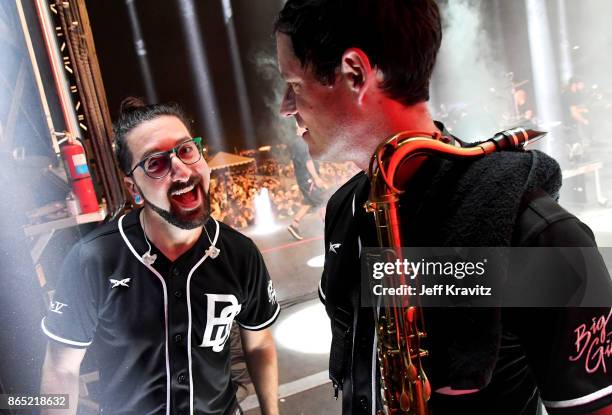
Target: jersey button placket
x=181, y=378
x=363, y=402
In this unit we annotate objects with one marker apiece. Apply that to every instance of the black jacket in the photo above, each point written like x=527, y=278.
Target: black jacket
x=503, y=352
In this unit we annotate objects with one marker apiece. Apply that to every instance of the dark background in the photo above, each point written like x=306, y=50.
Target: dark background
x=168, y=57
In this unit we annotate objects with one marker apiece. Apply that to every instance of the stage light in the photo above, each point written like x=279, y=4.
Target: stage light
x=264, y=219
x=204, y=91
x=545, y=78
x=305, y=331
x=141, y=53
x=239, y=80
x=316, y=262
x=566, y=68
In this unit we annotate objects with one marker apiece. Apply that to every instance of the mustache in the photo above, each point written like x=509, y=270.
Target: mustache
x=193, y=180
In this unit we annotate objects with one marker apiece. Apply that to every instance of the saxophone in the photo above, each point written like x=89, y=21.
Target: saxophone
x=405, y=388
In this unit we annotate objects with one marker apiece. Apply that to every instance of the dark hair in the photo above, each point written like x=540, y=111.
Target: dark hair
x=133, y=112
x=400, y=37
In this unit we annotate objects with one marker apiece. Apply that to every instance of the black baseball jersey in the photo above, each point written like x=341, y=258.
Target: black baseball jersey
x=161, y=331
x=561, y=356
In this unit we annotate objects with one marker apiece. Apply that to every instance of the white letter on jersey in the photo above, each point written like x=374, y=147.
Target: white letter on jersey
x=217, y=329
x=56, y=307
x=271, y=293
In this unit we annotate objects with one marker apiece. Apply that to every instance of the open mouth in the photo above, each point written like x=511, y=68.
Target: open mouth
x=187, y=197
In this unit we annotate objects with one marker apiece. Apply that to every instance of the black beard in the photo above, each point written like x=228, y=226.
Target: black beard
x=193, y=220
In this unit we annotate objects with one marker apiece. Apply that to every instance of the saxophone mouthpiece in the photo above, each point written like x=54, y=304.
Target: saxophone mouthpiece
x=534, y=135
x=515, y=138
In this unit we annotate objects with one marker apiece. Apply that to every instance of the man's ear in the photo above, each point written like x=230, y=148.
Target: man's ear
x=131, y=186
x=357, y=72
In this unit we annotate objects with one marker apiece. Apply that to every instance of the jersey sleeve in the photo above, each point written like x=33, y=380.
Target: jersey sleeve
x=73, y=312
x=570, y=349
x=261, y=307
x=568, y=354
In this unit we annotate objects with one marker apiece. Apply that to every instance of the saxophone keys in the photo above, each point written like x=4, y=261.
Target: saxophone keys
x=427, y=390
x=426, y=385
x=411, y=314
x=411, y=373
x=404, y=400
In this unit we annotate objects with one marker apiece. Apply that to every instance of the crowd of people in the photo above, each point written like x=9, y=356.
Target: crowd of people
x=233, y=193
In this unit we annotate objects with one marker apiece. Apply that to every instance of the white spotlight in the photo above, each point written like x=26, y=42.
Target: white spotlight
x=305, y=331
x=316, y=262
x=545, y=78
x=264, y=220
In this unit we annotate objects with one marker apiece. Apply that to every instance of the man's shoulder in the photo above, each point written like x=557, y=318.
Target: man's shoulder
x=106, y=233
x=233, y=237
x=544, y=222
x=348, y=189
x=107, y=238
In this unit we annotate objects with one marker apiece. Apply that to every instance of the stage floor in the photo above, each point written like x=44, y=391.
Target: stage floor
x=288, y=259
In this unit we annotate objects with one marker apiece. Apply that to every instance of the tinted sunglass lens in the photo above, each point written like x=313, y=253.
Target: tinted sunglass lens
x=189, y=152
x=157, y=166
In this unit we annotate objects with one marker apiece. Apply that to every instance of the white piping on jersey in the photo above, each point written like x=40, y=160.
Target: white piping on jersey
x=262, y=324
x=189, y=324
x=579, y=401
x=321, y=293
x=61, y=339
x=161, y=279
x=358, y=237
x=321, y=289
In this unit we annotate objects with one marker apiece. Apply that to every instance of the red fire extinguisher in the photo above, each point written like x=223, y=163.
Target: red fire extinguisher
x=80, y=179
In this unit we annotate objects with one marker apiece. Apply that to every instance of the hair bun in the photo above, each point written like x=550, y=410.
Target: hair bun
x=131, y=104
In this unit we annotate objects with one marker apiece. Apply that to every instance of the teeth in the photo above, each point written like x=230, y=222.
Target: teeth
x=181, y=191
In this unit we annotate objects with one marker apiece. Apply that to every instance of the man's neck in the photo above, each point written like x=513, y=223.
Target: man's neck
x=169, y=239
x=393, y=119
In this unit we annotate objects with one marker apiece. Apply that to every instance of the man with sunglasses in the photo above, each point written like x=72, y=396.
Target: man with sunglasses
x=158, y=290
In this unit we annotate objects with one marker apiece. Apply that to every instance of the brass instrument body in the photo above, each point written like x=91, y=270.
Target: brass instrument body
x=405, y=387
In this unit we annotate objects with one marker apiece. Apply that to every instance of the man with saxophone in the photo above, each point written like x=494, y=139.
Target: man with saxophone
x=358, y=72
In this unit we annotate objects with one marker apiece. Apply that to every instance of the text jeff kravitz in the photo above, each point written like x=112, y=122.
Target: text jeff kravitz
x=435, y=290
